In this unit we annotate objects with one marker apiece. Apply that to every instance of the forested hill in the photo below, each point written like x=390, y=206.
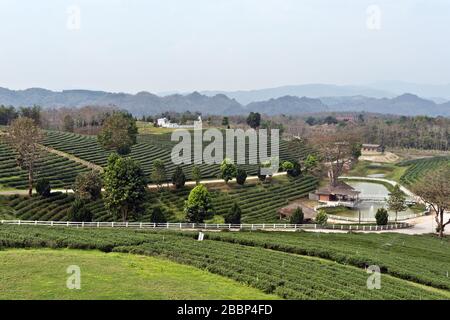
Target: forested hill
x=145, y=103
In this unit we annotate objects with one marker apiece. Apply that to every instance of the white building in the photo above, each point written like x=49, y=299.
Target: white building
x=165, y=123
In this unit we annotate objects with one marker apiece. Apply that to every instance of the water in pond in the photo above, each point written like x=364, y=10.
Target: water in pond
x=369, y=209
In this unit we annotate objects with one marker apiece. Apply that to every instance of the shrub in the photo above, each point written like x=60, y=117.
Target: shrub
x=234, y=215
x=43, y=187
x=198, y=204
x=382, y=217
x=297, y=216
x=241, y=176
x=158, y=216
x=321, y=217
x=79, y=212
x=178, y=178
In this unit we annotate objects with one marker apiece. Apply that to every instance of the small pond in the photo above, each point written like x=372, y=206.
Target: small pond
x=369, y=208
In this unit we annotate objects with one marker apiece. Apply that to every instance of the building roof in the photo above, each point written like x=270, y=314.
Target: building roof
x=340, y=189
x=368, y=145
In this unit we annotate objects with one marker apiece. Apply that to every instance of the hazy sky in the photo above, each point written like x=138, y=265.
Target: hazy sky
x=135, y=45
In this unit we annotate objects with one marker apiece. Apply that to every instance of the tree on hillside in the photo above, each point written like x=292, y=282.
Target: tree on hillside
x=311, y=163
x=254, y=120
x=234, y=214
x=198, y=204
x=24, y=137
x=227, y=170
x=178, y=178
x=7, y=114
x=225, y=122
x=396, y=201
x=43, y=187
x=196, y=174
x=434, y=189
x=118, y=133
x=336, y=152
x=88, y=186
x=297, y=216
x=33, y=112
x=68, y=123
x=78, y=212
x=125, y=187
x=241, y=176
x=158, y=216
x=356, y=150
x=158, y=175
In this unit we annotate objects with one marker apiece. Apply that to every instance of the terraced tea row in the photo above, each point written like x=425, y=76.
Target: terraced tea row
x=259, y=203
x=152, y=147
x=419, y=167
x=60, y=171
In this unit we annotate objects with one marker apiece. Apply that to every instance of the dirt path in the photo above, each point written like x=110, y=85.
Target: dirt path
x=72, y=157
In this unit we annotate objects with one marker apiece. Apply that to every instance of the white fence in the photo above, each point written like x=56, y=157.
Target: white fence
x=203, y=226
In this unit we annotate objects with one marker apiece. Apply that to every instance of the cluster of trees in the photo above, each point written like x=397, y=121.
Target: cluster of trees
x=419, y=132
x=8, y=114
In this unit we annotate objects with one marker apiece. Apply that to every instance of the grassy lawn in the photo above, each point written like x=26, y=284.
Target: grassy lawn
x=146, y=128
x=41, y=274
x=366, y=168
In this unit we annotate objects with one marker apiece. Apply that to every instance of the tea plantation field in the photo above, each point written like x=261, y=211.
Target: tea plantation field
x=278, y=270
x=155, y=146
x=419, y=167
x=59, y=170
x=259, y=202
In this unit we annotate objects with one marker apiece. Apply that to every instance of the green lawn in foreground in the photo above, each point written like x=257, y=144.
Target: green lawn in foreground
x=41, y=274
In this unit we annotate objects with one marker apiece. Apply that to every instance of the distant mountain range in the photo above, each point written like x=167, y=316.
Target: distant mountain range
x=145, y=103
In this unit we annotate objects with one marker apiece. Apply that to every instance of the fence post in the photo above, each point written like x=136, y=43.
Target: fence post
x=82, y=224
x=126, y=224
x=51, y=223
x=140, y=225
x=19, y=222
x=98, y=224
x=35, y=222
x=67, y=223
x=112, y=224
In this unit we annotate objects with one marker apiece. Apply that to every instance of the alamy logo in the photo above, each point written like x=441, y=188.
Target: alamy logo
x=74, y=280
x=234, y=144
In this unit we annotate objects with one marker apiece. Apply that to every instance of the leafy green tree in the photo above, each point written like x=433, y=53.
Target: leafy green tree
x=297, y=216
x=254, y=120
x=287, y=165
x=310, y=163
x=33, y=112
x=234, y=214
x=198, y=204
x=68, y=123
x=396, y=201
x=382, y=217
x=118, y=133
x=158, y=216
x=241, y=176
x=196, y=174
x=158, y=175
x=7, y=114
x=356, y=150
x=125, y=187
x=25, y=137
x=178, y=178
x=88, y=186
x=321, y=217
x=227, y=170
x=43, y=187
